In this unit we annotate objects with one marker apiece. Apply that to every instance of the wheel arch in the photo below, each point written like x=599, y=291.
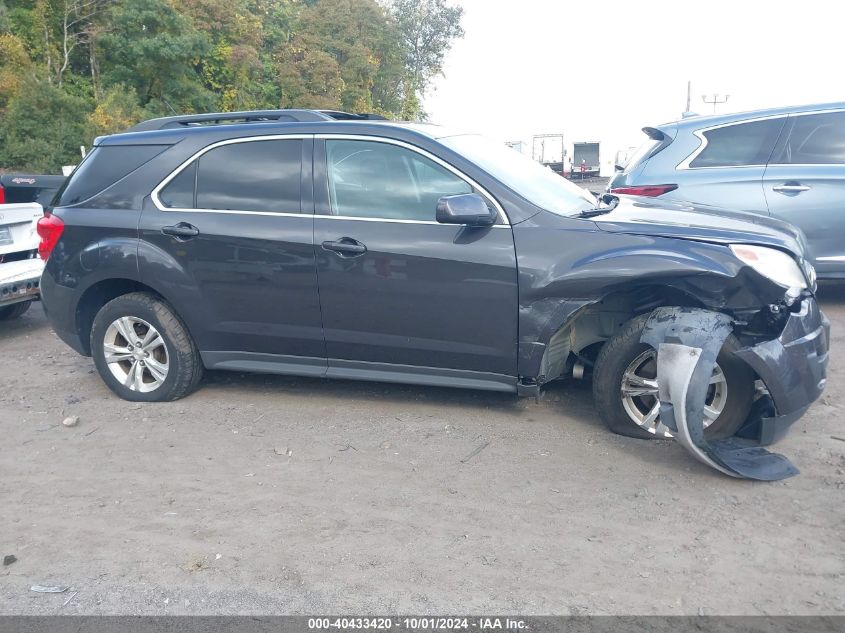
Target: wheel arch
x=581, y=328
x=98, y=295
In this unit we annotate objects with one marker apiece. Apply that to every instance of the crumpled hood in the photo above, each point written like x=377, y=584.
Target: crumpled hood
x=669, y=218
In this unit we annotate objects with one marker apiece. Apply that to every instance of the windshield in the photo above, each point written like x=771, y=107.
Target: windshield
x=537, y=184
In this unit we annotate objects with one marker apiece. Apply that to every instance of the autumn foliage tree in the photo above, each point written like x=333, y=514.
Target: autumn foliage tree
x=74, y=69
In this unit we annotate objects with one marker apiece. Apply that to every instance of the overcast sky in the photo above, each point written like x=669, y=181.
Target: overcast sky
x=602, y=70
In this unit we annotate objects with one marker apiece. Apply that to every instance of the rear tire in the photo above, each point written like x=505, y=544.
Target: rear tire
x=143, y=351
x=617, y=356
x=14, y=311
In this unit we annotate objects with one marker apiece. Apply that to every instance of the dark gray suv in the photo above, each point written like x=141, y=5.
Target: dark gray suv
x=787, y=163
x=321, y=244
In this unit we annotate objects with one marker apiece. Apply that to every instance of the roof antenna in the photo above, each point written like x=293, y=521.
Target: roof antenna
x=688, y=112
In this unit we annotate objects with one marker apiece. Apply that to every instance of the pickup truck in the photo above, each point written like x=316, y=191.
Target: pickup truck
x=20, y=266
x=22, y=198
x=20, y=188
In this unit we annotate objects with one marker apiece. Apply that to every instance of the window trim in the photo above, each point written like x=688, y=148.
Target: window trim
x=192, y=165
x=684, y=165
x=196, y=156
x=502, y=220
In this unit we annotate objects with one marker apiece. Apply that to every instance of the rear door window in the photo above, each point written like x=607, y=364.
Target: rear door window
x=261, y=176
x=814, y=139
x=739, y=145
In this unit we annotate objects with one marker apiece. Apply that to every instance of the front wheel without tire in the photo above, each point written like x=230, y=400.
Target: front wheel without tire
x=625, y=387
x=143, y=351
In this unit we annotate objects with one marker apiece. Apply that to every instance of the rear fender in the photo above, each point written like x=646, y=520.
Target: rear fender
x=167, y=276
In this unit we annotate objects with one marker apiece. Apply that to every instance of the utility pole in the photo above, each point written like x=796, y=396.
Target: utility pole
x=689, y=95
x=715, y=100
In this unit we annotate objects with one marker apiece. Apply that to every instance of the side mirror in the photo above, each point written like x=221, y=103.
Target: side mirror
x=468, y=209
x=618, y=167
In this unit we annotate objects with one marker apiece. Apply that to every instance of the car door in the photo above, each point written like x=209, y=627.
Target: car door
x=805, y=185
x=403, y=297
x=727, y=168
x=229, y=240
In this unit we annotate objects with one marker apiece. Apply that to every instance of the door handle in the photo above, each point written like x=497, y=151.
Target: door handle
x=790, y=187
x=182, y=231
x=345, y=247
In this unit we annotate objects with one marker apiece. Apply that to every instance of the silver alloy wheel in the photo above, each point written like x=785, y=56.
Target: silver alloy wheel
x=640, y=401
x=136, y=354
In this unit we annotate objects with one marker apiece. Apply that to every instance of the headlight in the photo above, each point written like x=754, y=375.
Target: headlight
x=771, y=263
x=811, y=273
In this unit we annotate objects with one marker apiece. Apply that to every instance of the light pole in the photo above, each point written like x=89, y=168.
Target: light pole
x=715, y=100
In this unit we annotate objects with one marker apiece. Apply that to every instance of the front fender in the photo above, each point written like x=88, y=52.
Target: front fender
x=566, y=265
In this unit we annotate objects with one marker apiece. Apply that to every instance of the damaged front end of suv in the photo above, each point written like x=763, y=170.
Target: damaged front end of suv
x=707, y=319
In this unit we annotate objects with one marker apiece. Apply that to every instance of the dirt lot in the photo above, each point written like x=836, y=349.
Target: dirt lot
x=263, y=494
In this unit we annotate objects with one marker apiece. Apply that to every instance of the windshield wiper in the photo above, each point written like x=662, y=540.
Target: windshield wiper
x=610, y=202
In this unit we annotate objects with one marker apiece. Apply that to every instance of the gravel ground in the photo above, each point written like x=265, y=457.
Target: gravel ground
x=262, y=494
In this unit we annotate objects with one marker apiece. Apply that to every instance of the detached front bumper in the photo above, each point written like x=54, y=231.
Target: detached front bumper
x=20, y=281
x=793, y=368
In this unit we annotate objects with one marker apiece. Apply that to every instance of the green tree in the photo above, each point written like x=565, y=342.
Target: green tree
x=15, y=66
x=428, y=29
x=157, y=51
x=42, y=129
x=71, y=69
x=5, y=22
x=118, y=111
x=344, y=54
x=232, y=69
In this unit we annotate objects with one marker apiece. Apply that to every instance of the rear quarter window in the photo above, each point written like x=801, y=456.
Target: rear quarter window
x=104, y=166
x=740, y=144
x=643, y=153
x=181, y=191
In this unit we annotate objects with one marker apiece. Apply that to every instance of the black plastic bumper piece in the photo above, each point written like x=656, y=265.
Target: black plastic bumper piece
x=60, y=304
x=793, y=368
x=72, y=339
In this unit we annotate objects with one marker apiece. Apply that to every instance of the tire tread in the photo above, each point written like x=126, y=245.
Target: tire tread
x=14, y=311
x=190, y=361
x=604, y=392
x=606, y=389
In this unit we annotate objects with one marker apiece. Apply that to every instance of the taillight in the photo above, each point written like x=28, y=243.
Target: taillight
x=649, y=191
x=50, y=229
x=2, y=195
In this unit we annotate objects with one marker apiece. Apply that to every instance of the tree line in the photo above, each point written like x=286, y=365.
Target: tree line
x=71, y=70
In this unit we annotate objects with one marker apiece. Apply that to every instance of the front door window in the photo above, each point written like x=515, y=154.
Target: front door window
x=378, y=180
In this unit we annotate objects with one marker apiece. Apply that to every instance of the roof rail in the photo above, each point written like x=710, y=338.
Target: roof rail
x=250, y=116
x=337, y=115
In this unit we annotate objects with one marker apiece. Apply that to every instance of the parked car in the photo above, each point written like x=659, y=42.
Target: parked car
x=787, y=163
x=24, y=188
x=20, y=267
x=407, y=253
